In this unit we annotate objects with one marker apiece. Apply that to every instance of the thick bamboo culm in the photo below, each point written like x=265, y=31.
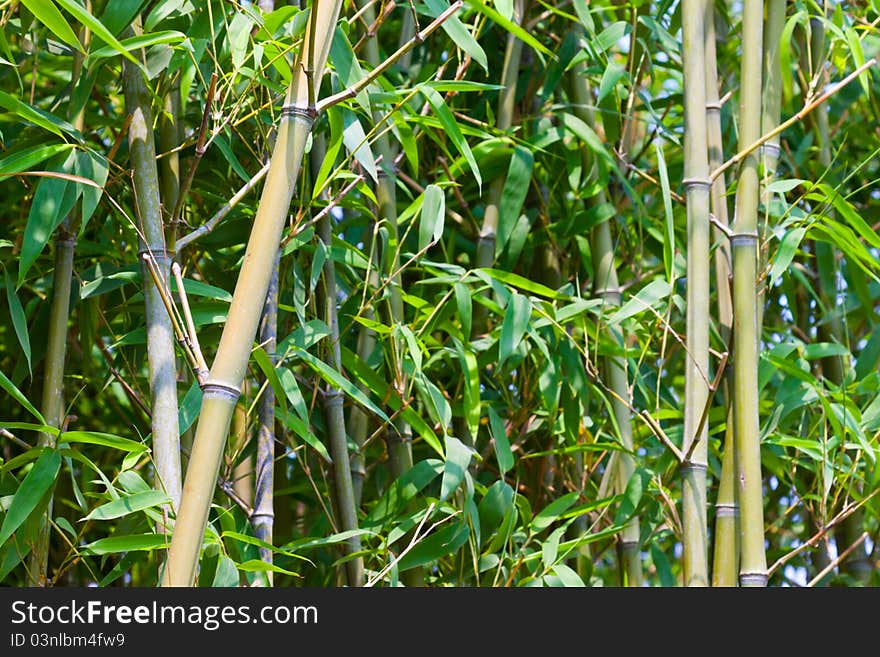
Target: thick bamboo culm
x=170, y=138
x=337, y=438
x=725, y=561
x=263, y=516
x=744, y=243
x=160, y=334
x=695, y=568
x=485, y=254
x=223, y=386
x=606, y=286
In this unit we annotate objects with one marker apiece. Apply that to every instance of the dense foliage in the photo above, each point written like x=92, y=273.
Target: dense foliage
x=499, y=367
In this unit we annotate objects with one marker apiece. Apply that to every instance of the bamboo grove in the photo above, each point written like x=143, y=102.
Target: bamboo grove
x=489, y=293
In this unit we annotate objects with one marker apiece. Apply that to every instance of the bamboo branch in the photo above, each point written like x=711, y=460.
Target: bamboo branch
x=809, y=107
x=827, y=569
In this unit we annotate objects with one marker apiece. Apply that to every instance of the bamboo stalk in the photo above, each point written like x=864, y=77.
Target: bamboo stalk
x=486, y=244
x=227, y=373
x=726, y=544
x=744, y=243
x=263, y=517
x=170, y=138
x=160, y=333
x=855, y=561
x=695, y=567
x=606, y=286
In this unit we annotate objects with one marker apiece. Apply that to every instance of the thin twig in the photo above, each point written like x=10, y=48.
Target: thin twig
x=827, y=569
x=201, y=367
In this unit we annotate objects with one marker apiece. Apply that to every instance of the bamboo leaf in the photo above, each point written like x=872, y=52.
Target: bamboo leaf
x=28, y=158
x=458, y=458
x=457, y=31
x=15, y=393
x=509, y=26
x=855, y=49
x=516, y=186
x=355, y=140
x=271, y=375
x=257, y=566
x=647, y=297
x=669, y=235
x=347, y=67
x=97, y=27
x=105, y=439
x=450, y=125
x=439, y=544
x=19, y=320
x=433, y=215
x=503, y=454
x=38, y=117
x=38, y=481
x=142, y=41
x=226, y=574
x=513, y=328
x=786, y=252
x=567, y=576
x=471, y=401
x=47, y=13
x=520, y=282
x=550, y=513
x=128, y=505
x=133, y=542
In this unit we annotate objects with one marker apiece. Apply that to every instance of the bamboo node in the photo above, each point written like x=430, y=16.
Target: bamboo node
x=690, y=183
x=714, y=106
x=770, y=148
x=726, y=510
x=690, y=466
x=222, y=390
x=332, y=397
x=745, y=239
x=156, y=254
x=753, y=579
x=293, y=111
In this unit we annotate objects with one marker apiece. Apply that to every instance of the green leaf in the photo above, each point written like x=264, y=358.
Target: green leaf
x=257, y=566
x=133, y=542
x=433, y=216
x=442, y=542
x=465, y=308
x=471, y=372
x=669, y=235
x=786, y=252
x=355, y=140
x=127, y=505
x=15, y=393
x=855, y=49
x=450, y=126
x=19, y=320
x=271, y=375
x=611, y=35
x=38, y=117
x=239, y=33
x=336, y=379
x=649, y=296
x=458, y=32
x=226, y=574
x=503, y=454
x=509, y=26
x=438, y=406
x=38, y=481
x=513, y=328
x=105, y=439
x=347, y=67
x=97, y=27
x=28, y=158
x=550, y=513
x=631, y=497
x=521, y=283
x=516, y=186
x=567, y=576
x=458, y=458
x=612, y=75
x=135, y=43
x=47, y=13
x=816, y=350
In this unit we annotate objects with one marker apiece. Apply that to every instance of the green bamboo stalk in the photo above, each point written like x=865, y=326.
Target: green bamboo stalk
x=695, y=567
x=744, y=243
x=606, y=286
x=160, y=333
x=726, y=544
x=263, y=516
x=223, y=386
x=399, y=439
x=856, y=563
x=345, y=502
x=170, y=138
x=52, y=401
x=486, y=244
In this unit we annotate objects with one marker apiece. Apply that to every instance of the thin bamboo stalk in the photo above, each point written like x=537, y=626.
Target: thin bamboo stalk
x=224, y=383
x=400, y=438
x=726, y=544
x=160, y=332
x=345, y=504
x=695, y=567
x=744, y=243
x=606, y=286
x=855, y=562
x=486, y=244
x=170, y=137
x=263, y=517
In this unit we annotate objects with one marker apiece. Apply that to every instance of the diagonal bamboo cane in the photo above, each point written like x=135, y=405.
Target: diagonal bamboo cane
x=223, y=386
